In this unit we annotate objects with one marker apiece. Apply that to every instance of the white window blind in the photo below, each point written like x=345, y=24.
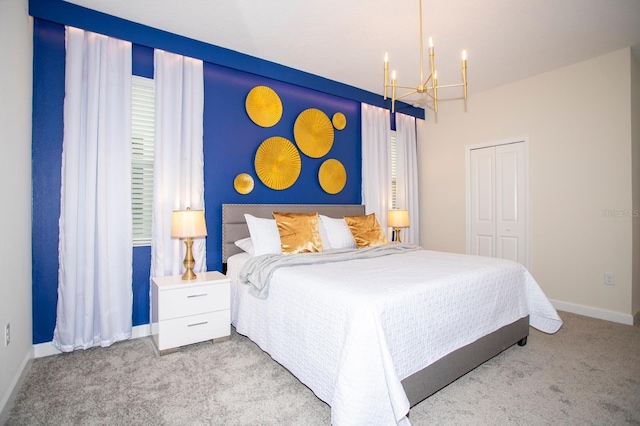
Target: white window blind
x=142, y=145
x=393, y=170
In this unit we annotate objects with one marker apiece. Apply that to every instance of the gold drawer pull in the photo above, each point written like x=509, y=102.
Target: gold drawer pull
x=198, y=323
x=196, y=295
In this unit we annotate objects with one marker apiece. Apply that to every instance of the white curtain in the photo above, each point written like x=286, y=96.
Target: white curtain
x=179, y=159
x=376, y=163
x=95, y=228
x=407, y=175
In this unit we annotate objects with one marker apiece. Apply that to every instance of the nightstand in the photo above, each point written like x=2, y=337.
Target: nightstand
x=185, y=312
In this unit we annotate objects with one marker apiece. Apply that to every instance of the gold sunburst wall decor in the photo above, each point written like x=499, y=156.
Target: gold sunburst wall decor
x=264, y=106
x=278, y=163
x=332, y=176
x=313, y=133
x=243, y=183
x=339, y=121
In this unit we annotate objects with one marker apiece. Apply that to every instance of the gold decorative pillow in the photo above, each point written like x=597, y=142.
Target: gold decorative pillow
x=299, y=232
x=366, y=230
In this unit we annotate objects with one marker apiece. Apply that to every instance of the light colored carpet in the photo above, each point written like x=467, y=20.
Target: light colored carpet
x=586, y=374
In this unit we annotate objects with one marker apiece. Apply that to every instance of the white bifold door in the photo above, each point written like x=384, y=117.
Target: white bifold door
x=498, y=222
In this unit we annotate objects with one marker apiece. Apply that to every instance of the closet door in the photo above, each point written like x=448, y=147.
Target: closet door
x=483, y=202
x=497, y=197
x=510, y=202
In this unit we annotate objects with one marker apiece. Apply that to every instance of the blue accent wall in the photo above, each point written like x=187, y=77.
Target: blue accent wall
x=48, y=103
x=48, y=98
x=65, y=13
x=230, y=142
x=230, y=137
x=230, y=149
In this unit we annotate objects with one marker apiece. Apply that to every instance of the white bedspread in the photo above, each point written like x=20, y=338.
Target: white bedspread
x=351, y=331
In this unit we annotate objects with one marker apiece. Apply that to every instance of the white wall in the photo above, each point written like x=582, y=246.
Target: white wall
x=635, y=129
x=578, y=121
x=16, y=49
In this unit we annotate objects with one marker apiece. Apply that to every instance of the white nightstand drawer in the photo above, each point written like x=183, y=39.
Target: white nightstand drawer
x=192, y=329
x=185, y=312
x=182, y=302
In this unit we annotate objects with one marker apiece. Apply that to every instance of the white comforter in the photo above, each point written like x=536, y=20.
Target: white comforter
x=351, y=331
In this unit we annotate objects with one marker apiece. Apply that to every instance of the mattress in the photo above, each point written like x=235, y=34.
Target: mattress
x=352, y=330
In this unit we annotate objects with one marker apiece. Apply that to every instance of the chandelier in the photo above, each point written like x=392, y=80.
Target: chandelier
x=428, y=86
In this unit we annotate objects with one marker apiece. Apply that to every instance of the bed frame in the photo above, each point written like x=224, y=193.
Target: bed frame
x=423, y=383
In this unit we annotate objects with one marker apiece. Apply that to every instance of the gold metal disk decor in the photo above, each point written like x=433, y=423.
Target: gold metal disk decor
x=313, y=132
x=243, y=183
x=278, y=163
x=332, y=176
x=339, y=121
x=264, y=106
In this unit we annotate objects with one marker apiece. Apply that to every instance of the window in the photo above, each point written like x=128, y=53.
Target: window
x=394, y=170
x=142, y=144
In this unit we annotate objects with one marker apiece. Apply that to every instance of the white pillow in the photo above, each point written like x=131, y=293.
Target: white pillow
x=246, y=244
x=326, y=244
x=264, y=235
x=338, y=232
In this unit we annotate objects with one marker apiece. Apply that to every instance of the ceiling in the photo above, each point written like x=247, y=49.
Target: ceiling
x=345, y=41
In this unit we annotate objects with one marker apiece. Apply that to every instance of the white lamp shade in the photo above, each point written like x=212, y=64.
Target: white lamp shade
x=188, y=224
x=398, y=219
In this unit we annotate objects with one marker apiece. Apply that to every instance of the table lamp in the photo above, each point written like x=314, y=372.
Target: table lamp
x=188, y=224
x=398, y=219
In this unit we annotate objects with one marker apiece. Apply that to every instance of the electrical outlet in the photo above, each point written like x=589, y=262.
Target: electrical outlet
x=7, y=334
x=609, y=278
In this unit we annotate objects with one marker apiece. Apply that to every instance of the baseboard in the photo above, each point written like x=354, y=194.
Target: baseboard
x=592, y=312
x=7, y=401
x=46, y=349
x=141, y=331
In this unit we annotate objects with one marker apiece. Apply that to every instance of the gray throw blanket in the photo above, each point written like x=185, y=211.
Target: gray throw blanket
x=258, y=270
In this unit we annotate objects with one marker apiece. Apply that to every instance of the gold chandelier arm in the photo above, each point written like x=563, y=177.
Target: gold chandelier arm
x=464, y=72
x=432, y=60
x=386, y=74
x=407, y=87
x=442, y=86
x=406, y=94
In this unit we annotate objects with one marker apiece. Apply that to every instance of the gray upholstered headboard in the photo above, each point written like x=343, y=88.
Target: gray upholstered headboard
x=234, y=226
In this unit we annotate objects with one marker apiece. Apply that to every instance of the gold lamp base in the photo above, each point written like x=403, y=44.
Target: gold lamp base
x=189, y=262
x=396, y=235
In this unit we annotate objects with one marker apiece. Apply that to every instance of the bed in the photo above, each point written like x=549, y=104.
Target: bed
x=372, y=346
